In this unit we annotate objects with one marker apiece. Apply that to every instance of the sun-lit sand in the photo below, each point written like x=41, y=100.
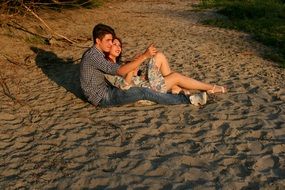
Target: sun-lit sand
x=50, y=138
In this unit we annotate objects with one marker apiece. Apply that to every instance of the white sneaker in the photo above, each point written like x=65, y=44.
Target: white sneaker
x=198, y=99
x=144, y=103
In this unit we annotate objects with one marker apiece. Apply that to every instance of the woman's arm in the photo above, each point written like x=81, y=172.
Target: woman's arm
x=129, y=77
x=131, y=66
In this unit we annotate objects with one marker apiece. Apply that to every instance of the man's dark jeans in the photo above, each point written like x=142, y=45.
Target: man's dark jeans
x=116, y=97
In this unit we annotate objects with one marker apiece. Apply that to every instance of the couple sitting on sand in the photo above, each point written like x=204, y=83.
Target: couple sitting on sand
x=102, y=60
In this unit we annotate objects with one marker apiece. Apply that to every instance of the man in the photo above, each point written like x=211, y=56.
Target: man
x=94, y=66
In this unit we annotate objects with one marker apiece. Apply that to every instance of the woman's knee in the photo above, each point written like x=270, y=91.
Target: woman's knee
x=159, y=58
x=159, y=55
x=175, y=75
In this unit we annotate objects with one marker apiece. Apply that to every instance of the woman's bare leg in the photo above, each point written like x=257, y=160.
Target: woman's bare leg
x=162, y=64
x=177, y=82
x=190, y=84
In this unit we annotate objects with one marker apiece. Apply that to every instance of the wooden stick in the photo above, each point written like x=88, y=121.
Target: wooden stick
x=20, y=27
x=46, y=25
x=6, y=90
x=12, y=61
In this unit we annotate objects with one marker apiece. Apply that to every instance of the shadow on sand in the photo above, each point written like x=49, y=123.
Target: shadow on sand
x=64, y=72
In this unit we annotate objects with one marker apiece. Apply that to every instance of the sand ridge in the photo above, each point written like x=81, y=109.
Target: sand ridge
x=50, y=137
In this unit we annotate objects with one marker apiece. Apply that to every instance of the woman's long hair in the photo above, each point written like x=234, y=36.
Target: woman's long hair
x=119, y=58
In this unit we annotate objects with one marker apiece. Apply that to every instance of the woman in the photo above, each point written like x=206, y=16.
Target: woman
x=154, y=80
x=160, y=76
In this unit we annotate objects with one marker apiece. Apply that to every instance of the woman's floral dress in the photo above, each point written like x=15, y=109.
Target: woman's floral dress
x=152, y=79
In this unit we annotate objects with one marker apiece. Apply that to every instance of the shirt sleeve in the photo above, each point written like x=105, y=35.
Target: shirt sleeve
x=105, y=66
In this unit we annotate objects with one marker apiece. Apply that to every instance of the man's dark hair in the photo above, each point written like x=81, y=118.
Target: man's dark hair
x=100, y=30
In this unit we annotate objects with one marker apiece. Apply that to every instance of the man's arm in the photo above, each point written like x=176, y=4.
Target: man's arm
x=128, y=67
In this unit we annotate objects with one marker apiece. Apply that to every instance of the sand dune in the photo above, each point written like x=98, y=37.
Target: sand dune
x=51, y=138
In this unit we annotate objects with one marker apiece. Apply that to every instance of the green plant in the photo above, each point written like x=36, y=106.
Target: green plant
x=33, y=39
x=264, y=19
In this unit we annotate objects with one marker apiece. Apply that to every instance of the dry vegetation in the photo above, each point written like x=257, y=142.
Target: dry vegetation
x=11, y=9
x=18, y=6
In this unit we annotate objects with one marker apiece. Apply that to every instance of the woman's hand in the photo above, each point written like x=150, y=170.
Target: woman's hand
x=133, y=65
x=150, y=51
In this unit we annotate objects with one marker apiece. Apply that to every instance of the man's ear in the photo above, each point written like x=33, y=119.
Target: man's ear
x=97, y=40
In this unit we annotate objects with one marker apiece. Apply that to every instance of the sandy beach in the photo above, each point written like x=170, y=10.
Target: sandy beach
x=51, y=138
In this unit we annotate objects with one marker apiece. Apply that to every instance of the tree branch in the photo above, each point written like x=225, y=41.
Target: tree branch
x=52, y=32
